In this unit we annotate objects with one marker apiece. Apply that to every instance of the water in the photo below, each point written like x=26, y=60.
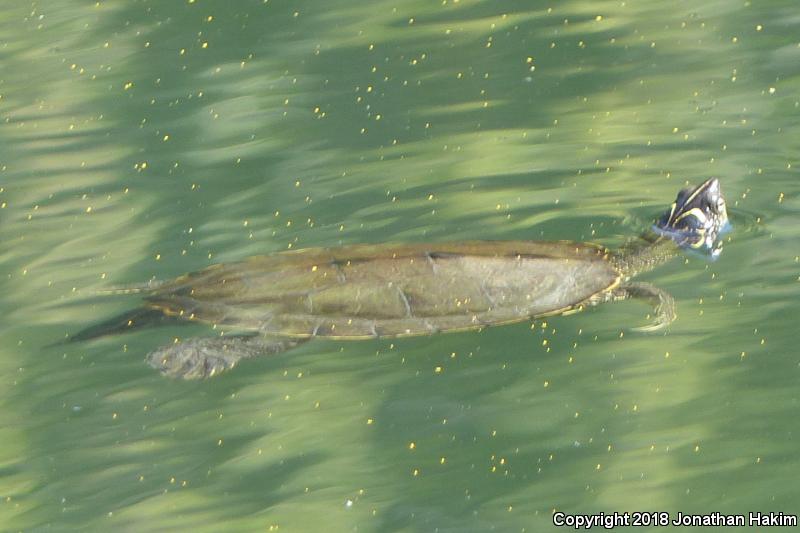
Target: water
x=142, y=140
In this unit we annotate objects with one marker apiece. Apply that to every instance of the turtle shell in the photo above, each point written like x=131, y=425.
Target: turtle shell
x=366, y=291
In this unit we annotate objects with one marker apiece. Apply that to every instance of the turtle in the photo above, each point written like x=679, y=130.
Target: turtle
x=269, y=304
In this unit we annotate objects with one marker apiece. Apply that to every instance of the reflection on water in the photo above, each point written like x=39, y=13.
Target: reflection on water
x=143, y=140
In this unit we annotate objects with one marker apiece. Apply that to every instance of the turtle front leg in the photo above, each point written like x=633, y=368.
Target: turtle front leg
x=663, y=302
x=204, y=357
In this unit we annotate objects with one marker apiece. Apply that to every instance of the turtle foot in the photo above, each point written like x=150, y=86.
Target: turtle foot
x=663, y=304
x=200, y=358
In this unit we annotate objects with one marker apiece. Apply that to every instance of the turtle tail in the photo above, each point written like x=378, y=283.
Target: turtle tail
x=134, y=288
x=138, y=318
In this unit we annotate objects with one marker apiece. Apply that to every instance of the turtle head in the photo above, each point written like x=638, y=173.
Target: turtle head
x=696, y=218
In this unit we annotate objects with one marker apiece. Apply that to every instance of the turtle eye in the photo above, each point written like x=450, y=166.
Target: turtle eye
x=692, y=221
x=689, y=223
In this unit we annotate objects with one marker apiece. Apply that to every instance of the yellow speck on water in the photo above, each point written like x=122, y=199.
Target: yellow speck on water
x=219, y=442
x=759, y=27
x=127, y=85
x=114, y=416
x=89, y=209
x=166, y=138
x=696, y=448
x=546, y=384
x=442, y=460
x=412, y=445
x=597, y=467
x=415, y=473
x=370, y=421
x=314, y=268
x=158, y=257
x=438, y=370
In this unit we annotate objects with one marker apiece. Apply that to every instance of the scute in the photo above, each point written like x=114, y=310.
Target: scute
x=385, y=290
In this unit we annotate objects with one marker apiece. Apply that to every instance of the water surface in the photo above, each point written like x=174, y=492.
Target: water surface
x=142, y=140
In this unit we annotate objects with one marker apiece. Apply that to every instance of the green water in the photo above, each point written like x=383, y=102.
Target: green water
x=145, y=139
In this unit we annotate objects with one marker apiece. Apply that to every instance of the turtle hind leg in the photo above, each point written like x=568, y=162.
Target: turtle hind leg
x=663, y=302
x=137, y=318
x=205, y=357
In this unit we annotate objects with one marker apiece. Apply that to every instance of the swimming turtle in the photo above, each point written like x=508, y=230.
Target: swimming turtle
x=272, y=303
